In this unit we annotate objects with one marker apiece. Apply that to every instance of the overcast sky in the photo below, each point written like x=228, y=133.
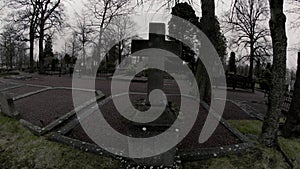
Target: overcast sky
x=221, y=7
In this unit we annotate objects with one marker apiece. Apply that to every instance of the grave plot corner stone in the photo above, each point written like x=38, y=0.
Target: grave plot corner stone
x=7, y=105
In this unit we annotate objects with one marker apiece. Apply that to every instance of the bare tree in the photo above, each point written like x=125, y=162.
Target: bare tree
x=74, y=45
x=83, y=33
x=120, y=30
x=269, y=135
x=2, y=6
x=104, y=11
x=25, y=14
x=50, y=15
x=21, y=55
x=295, y=11
x=250, y=35
x=11, y=46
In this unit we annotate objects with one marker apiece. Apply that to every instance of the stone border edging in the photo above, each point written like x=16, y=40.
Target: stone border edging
x=10, y=88
x=185, y=155
x=247, y=108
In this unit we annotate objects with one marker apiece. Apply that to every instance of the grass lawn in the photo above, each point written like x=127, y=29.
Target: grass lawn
x=19, y=148
x=260, y=158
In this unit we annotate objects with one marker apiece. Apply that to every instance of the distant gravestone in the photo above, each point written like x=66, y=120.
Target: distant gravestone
x=7, y=105
x=156, y=40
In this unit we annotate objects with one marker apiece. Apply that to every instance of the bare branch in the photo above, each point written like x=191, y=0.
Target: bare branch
x=246, y=24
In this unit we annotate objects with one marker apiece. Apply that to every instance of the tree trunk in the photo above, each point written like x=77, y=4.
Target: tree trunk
x=12, y=54
x=208, y=27
x=120, y=51
x=201, y=79
x=292, y=124
x=41, y=47
x=31, y=51
x=20, y=61
x=250, y=75
x=278, y=33
x=84, y=58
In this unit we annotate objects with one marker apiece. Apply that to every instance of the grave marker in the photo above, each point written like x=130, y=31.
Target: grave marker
x=157, y=32
x=7, y=105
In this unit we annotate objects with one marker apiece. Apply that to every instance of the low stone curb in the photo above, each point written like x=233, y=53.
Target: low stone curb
x=248, y=109
x=13, y=87
x=206, y=153
x=125, y=78
x=7, y=106
x=227, y=125
x=31, y=93
x=182, y=155
x=87, y=147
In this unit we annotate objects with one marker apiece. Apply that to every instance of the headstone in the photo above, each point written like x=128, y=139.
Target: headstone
x=7, y=105
x=157, y=40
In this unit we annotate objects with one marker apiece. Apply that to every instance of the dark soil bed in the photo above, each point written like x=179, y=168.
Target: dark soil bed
x=170, y=86
x=221, y=137
x=233, y=112
x=43, y=108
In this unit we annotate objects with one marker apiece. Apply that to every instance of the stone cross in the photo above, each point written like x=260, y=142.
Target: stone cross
x=157, y=34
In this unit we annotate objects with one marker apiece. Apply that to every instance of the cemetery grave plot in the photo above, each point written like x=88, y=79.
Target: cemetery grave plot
x=44, y=80
x=242, y=96
x=24, y=89
x=260, y=107
x=4, y=86
x=224, y=140
x=18, y=77
x=103, y=85
x=233, y=112
x=47, y=109
x=44, y=108
x=253, y=103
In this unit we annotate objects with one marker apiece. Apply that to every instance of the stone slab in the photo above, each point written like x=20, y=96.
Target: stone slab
x=7, y=105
